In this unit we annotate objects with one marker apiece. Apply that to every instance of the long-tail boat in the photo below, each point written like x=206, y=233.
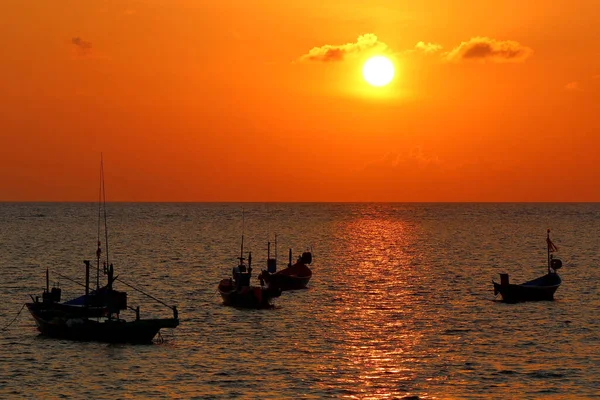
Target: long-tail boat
x=542, y=288
x=295, y=276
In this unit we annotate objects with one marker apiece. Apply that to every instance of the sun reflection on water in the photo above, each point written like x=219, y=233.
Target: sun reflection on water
x=378, y=317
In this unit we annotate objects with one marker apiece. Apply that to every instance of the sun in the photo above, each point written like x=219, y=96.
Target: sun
x=378, y=71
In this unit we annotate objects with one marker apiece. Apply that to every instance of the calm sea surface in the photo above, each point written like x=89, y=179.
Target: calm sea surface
x=400, y=303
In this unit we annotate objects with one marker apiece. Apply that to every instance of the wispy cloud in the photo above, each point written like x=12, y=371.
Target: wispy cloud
x=573, y=86
x=83, y=47
x=428, y=48
x=486, y=49
x=333, y=52
x=415, y=157
x=584, y=85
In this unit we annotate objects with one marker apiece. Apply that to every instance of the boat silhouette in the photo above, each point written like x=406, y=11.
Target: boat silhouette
x=542, y=288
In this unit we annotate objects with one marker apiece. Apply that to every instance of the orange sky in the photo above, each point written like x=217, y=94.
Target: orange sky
x=193, y=100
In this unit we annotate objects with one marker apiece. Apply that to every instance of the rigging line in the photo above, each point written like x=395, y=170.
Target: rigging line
x=15, y=318
x=144, y=293
x=69, y=279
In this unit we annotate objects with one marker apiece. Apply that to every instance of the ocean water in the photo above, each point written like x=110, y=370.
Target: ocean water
x=400, y=304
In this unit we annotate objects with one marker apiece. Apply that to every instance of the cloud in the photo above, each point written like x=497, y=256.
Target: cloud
x=83, y=47
x=414, y=158
x=490, y=50
x=573, y=86
x=480, y=48
x=428, y=47
x=329, y=52
x=584, y=85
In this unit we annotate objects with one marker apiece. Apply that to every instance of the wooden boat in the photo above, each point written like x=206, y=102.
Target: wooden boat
x=542, y=288
x=238, y=292
x=95, y=316
x=295, y=276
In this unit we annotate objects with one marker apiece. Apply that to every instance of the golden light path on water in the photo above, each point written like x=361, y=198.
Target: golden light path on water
x=378, y=315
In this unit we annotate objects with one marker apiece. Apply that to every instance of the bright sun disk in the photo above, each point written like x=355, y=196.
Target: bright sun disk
x=378, y=71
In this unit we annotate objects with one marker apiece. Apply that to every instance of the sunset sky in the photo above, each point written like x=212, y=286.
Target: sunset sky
x=263, y=100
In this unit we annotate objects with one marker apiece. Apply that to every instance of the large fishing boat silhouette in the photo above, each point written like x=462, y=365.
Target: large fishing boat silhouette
x=542, y=288
x=96, y=316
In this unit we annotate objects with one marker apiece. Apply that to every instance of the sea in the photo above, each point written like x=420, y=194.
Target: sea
x=400, y=304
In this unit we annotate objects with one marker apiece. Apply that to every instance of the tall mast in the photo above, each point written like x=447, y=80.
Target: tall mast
x=549, y=253
x=103, y=188
x=242, y=248
x=99, y=250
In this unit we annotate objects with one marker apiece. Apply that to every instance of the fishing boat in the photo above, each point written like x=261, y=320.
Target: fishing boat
x=96, y=315
x=237, y=290
x=295, y=276
x=542, y=288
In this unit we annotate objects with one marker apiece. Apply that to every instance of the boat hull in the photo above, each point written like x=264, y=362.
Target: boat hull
x=288, y=282
x=292, y=278
x=55, y=323
x=539, y=289
x=247, y=296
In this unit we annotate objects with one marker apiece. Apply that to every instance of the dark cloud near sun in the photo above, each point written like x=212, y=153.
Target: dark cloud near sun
x=489, y=50
x=332, y=52
x=83, y=47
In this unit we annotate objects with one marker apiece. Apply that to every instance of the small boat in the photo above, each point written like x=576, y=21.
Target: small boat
x=542, y=288
x=238, y=292
x=246, y=296
x=95, y=316
x=295, y=276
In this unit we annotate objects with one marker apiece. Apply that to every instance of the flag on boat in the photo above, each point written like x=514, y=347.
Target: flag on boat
x=551, y=246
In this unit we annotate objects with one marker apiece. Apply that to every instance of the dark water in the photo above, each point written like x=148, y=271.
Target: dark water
x=400, y=304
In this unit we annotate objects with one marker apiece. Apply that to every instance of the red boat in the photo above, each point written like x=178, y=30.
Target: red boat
x=295, y=276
